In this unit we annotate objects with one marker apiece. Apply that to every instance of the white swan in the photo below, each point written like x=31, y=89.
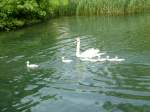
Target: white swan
x=66, y=60
x=31, y=65
x=90, y=53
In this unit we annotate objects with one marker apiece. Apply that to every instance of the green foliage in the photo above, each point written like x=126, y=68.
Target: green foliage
x=16, y=13
x=111, y=7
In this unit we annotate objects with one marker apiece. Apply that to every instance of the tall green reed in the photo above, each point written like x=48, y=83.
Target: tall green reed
x=106, y=7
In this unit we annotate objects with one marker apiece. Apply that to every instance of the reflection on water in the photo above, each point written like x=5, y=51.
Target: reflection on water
x=77, y=86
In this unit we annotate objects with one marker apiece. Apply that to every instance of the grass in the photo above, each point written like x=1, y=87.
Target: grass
x=106, y=7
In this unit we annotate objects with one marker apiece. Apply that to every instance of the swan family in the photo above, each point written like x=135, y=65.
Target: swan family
x=92, y=55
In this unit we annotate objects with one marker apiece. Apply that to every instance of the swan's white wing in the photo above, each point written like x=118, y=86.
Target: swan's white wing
x=92, y=50
x=90, y=53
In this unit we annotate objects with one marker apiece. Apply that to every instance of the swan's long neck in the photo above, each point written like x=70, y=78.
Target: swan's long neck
x=28, y=64
x=78, y=49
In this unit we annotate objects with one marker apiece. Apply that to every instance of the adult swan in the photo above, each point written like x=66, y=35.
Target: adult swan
x=90, y=53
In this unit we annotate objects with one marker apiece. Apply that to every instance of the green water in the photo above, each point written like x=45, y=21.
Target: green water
x=78, y=86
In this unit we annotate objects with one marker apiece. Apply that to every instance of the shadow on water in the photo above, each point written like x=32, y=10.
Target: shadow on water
x=77, y=86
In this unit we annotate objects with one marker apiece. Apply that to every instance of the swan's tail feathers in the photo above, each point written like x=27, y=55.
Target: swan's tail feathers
x=99, y=54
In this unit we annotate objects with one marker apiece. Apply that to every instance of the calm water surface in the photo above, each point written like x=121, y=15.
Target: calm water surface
x=77, y=86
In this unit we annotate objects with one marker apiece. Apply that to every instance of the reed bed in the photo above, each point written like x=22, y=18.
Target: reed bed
x=103, y=7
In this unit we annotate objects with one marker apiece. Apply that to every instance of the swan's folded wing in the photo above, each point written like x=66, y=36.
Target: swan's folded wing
x=90, y=52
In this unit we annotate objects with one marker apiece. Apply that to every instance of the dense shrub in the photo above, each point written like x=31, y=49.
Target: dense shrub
x=14, y=13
